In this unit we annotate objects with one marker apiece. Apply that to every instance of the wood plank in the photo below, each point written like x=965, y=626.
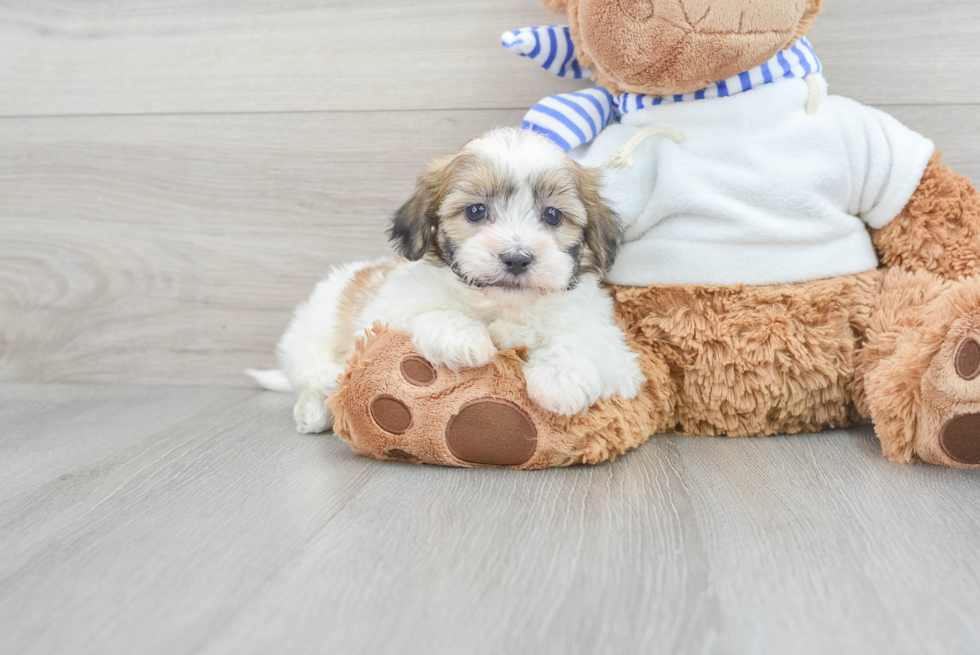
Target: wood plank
x=183, y=242
x=172, y=249
x=219, y=530
x=893, y=52
x=148, y=495
x=96, y=421
x=148, y=57
x=126, y=56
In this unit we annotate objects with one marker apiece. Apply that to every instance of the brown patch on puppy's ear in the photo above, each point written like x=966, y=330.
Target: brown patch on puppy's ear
x=603, y=232
x=813, y=9
x=413, y=225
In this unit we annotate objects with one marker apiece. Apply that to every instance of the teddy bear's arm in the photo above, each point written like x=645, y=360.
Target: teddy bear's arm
x=939, y=228
x=568, y=119
x=886, y=159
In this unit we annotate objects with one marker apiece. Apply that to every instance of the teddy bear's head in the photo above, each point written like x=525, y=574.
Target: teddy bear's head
x=666, y=47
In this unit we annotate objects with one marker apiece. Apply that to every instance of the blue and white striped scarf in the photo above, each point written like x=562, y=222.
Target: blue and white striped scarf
x=572, y=119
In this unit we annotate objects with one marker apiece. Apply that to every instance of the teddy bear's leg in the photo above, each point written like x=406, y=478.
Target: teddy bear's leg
x=939, y=229
x=393, y=404
x=918, y=374
x=756, y=360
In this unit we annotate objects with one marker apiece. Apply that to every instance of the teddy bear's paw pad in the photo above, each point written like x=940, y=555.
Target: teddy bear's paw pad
x=391, y=414
x=402, y=456
x=417, y=371
x=967, y=363
x=492, y=432
x=960, y=439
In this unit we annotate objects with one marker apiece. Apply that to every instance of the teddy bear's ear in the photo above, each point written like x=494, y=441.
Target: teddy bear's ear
x=813, y=9
x=556, y=6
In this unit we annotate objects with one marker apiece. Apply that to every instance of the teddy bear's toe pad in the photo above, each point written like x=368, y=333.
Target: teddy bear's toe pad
x=418, y=371
x=968, y=360
x=493, y=432
x=960, y=438
x=391, y=414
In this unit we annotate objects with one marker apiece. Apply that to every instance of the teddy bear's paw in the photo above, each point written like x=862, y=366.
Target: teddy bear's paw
x=424, y=418
x=948, y=430
x=395, y=404
x=959, y=436
x=483, y=432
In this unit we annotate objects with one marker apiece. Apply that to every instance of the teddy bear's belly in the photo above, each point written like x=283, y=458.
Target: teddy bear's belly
x=755, y=361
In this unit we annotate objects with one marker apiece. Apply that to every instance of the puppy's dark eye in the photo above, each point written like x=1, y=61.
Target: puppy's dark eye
x=551, y=216
x=476, y=213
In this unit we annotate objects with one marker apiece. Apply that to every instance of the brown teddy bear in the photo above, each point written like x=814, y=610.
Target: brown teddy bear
x=793, y=260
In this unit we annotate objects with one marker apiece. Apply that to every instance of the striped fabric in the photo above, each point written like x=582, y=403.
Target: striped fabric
x=550, y=47
x=573, y=119
x=797, y=62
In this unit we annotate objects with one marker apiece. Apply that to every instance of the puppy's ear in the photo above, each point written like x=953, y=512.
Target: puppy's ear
x=414, y=224
x=603, y=232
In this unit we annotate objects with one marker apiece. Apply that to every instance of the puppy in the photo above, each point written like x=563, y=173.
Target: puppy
x=502, y=245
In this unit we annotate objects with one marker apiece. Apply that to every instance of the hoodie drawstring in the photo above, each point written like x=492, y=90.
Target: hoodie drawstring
x=623, y=158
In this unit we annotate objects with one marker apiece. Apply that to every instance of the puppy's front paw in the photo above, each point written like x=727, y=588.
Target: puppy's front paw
x=631, y=379
x=453, y=340
x=311, y=413
x=561, y=382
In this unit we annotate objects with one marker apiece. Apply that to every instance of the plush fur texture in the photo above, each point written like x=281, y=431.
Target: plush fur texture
x=754, y=360
x=612, y=427
x=680, y=46
x=742, y=361
x=748, y=361
x=939, y=230
x=906, y=377
x=899, y=345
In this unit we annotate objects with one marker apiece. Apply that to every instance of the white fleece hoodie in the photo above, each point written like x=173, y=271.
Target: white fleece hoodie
x=759, y=191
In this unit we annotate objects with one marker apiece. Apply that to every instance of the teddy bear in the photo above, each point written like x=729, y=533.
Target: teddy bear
x=793, y=261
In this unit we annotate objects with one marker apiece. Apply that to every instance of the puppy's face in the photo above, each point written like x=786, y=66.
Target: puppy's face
x=512, y=211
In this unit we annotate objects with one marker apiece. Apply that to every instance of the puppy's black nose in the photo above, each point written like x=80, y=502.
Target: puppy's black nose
x=517, y=263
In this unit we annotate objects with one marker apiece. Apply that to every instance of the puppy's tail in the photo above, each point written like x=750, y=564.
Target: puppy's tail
x=271, y=380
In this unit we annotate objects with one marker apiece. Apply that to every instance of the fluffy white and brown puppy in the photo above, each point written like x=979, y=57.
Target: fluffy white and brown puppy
x=503, y=244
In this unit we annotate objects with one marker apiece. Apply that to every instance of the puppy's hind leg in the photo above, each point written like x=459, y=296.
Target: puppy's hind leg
x=311, y=412
x=314, y=346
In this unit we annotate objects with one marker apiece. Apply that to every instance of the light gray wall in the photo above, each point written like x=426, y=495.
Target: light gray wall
x=174, y=177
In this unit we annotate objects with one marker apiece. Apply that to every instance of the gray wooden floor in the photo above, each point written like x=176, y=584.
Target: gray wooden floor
x=175, y=177
x=179, y=520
